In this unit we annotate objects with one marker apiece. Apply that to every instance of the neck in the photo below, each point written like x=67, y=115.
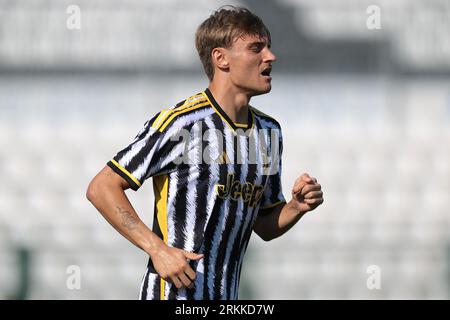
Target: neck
x=232, y=100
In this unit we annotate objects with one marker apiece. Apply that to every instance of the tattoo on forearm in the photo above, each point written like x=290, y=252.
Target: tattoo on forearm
x=128, y=220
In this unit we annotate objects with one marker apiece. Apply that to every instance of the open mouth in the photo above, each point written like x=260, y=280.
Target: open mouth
x=266, y=72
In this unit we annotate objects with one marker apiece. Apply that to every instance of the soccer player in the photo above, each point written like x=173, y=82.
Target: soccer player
x=216, y=168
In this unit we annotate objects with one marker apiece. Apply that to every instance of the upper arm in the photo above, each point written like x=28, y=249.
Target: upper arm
x=109, y=177
x=105, y=178
x=266, y=220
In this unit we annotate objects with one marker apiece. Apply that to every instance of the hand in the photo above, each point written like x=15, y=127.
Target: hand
x=307, y=193
x=172, y=265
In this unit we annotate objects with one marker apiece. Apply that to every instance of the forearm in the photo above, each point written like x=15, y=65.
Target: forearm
x=115, y=207
x=288, y=217
x=270, y=225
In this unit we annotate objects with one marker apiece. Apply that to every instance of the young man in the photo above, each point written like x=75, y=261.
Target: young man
x=216, y=168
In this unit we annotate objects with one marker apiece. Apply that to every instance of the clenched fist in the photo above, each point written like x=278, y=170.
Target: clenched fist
x=307, y=193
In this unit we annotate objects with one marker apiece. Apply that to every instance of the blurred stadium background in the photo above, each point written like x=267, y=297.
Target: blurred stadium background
x=365, y=111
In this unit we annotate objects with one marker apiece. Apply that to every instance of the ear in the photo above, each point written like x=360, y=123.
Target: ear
x=219, y=58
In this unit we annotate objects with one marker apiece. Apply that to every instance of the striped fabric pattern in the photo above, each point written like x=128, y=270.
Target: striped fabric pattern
x=208, y=208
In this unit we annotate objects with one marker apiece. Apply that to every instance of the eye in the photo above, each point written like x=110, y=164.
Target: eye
x=256, y=48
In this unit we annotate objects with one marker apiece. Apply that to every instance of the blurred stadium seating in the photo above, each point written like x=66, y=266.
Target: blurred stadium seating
x=375, y=132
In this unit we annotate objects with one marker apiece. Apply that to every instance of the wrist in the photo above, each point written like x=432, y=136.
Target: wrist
x=296, y=207
x=154, y=245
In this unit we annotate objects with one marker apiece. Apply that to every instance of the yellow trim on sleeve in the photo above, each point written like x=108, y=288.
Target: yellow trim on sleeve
x=161, y=187
x=165, y=113
x=126, y=172
x=176, y=114
x=273, y=205
x=159, y=118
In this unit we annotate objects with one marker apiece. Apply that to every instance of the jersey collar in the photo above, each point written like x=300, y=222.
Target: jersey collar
x=225, y=117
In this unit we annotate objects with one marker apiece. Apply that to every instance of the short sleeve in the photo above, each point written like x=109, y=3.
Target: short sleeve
x=273, y=192
x=153, y=152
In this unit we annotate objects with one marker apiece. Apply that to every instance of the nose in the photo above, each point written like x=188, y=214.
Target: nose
x=270, y=57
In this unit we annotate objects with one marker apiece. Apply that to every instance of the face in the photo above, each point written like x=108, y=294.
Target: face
x=250, y=64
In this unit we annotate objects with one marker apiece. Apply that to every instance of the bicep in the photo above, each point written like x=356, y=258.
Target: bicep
x=267, y=219
x=107, y=177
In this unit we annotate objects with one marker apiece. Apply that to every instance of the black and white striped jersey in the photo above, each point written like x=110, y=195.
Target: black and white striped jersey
x=211, y=178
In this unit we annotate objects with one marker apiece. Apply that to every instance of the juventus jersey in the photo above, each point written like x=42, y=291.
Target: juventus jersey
x=211, y=179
